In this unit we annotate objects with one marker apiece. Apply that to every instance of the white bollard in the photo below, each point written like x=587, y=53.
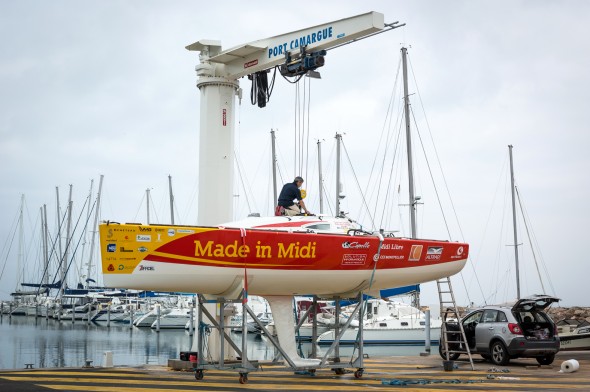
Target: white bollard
x=107, y=359
x=427, y=330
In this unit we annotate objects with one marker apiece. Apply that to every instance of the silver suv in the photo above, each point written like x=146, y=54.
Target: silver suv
x=503, y=332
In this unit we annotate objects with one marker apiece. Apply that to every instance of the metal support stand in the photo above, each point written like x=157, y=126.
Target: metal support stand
x=357, y=361
x=244, y=365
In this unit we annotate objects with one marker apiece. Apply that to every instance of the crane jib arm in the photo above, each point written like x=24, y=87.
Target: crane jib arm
x=267, y=53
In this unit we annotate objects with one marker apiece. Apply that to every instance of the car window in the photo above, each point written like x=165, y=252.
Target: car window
x=531, y=316
x=473, y=317
x=502, y=317
x=539, y=317
x=489, y=316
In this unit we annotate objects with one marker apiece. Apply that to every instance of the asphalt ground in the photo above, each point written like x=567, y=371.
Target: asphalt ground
x=415, y=373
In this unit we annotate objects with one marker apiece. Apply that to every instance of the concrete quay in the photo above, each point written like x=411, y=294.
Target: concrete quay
x=412, y=373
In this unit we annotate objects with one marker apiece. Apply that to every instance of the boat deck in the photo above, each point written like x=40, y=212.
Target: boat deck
x=384, y=373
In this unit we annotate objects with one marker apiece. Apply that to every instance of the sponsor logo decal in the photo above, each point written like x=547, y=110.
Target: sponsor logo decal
x=434, y=252
x=126, y=250
x=352, y=259
x=111, y=268
x=144, y=229
x=355, y=245
x=143, y=238
x=185, y=231
x=415, y=253
x=391, y=257
x=111, y=247
x=142, y=249
x=392, y=247
x=171, y=233
x=124, y=230
x=459, y=253
x=144, y=268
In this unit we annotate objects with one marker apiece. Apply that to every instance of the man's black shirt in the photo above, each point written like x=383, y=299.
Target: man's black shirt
x=289, y=193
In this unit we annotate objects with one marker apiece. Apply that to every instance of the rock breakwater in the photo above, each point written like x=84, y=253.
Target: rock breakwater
x=575, y=312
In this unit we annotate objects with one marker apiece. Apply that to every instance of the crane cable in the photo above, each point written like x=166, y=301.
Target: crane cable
x=261, y=91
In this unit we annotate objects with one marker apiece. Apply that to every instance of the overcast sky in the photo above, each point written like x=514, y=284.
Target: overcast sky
x=90, y=88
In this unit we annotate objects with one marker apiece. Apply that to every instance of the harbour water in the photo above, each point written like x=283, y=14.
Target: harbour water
x=49, y=343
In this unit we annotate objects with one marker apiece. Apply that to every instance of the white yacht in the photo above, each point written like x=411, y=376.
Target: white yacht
x=175, y=318
x=388, y=322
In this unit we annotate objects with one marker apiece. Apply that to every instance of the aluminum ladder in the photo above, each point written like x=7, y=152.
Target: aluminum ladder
x=450, y=316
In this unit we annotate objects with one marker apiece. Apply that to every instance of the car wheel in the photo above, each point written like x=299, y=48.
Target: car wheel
x=443, y=354
x=499, y=353
x=546, y=359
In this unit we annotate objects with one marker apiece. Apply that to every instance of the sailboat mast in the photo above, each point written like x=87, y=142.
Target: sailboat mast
x=94, y=230
x=412, y=197
x=514, y=223
x=321, y=178
x=21, y=243
x=147, y=198
x=274, y=168
x=171, y=199
x=85, y=231
x=412, y=202
x=64, y=262
x=45, y=279
x=58, y=214
x=338, y=140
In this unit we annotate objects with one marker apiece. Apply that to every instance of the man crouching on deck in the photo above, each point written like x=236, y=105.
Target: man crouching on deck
x=289, y=193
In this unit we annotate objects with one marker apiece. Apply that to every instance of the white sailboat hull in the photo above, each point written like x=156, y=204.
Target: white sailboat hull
x=215, y=280
x=219, y=261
